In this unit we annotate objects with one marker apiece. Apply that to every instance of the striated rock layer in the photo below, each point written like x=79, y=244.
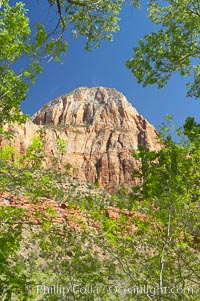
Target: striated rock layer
x=101, y=130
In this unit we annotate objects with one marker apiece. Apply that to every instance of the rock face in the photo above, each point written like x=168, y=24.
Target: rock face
x=101, y=130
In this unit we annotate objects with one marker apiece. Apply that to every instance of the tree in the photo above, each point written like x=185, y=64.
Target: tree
x=169, y=195
x=17, y=41
x=173, y=48
x=96, y=20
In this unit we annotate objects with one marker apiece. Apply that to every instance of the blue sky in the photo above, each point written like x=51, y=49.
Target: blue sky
x=106, y=67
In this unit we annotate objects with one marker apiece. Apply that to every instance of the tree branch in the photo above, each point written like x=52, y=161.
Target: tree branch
x=188, y=55
x=60, y=13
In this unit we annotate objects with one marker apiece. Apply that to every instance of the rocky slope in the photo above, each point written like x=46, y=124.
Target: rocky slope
x=101, y=130
x=62, y=212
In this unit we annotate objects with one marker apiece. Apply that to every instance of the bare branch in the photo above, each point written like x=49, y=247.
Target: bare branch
x=60, y=13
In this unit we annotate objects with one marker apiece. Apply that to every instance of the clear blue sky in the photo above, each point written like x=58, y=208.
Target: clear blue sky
x=105, y=67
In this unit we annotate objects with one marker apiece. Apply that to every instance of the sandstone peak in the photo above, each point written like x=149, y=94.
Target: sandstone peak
x=88, y=106
x=101, y=130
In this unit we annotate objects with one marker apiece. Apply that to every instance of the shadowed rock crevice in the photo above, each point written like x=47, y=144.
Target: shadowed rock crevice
x=109, y=143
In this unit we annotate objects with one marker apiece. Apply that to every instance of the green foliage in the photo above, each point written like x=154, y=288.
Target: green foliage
x=192, y=129
x=14, y=36
x=168, y=195
x=61, y=144
x=173, y=48
x=34, y=153
x=17, y=42
x=96, y=20
x=12, y=275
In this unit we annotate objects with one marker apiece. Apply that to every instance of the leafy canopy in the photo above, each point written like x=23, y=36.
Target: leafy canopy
x=168, y=193
x=174, y=47
x=96, y=20
x=16, y=42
